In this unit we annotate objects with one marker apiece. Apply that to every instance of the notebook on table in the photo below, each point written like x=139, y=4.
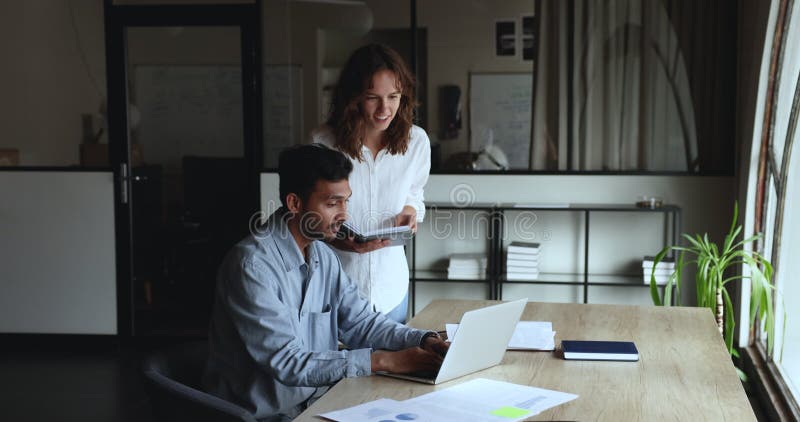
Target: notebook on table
x=480, y=343
x=599, y=350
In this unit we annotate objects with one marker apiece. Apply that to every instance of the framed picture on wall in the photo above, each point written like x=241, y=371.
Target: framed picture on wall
x=529, y=24
x=505, y=38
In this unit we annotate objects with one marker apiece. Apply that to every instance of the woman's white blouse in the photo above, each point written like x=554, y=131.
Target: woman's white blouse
x=381, y=188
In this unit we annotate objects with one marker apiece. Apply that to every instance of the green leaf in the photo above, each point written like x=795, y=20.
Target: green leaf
x=729, y=321
x=714, y=250
x=742, y=375
x=706, y=291
x=761, y=301
x=746, y=241
x=730, y=238
x=756, y=292
x=678, y=274
x=653, y=286
x=736, y=277
x=694, y=242
x=735, y=215
x=768, y=316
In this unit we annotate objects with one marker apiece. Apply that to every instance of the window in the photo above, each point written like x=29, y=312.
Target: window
x=774, y=190
x=787, y=352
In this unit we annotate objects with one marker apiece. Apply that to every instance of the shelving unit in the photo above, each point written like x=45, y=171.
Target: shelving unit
x=495, y=274
x=493, y=242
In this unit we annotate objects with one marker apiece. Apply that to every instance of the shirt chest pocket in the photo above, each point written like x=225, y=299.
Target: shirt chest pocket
x=320, y=330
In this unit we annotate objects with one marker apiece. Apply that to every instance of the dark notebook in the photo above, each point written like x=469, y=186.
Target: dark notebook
x=599, y=350
x=397, y=235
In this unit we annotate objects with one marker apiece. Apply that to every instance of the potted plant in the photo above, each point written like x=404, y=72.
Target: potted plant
x=713, y=274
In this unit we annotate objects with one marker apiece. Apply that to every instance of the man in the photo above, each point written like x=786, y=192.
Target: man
x=283, y=303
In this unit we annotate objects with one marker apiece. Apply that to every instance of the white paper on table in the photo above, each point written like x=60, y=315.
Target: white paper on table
x=487, y=400
x=528, y=335
x=380, y=410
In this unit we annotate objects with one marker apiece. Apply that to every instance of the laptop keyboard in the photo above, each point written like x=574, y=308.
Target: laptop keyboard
x=423, y=374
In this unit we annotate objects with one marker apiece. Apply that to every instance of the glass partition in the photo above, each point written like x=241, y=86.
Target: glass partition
x=189, y=201
x=526, y=85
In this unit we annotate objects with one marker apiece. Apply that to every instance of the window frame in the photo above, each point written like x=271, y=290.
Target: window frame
x=761, y=366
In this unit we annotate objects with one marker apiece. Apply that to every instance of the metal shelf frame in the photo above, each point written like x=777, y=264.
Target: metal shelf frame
x=495, y=272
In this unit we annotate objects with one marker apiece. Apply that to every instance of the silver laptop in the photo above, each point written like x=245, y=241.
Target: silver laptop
x=480, y=343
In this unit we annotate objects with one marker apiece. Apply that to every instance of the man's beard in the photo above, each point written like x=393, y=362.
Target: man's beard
x=309, y=226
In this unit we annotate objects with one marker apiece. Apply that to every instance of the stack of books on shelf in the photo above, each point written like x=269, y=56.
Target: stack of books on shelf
x=522, y=261
x=664, y=269
x=467, y=267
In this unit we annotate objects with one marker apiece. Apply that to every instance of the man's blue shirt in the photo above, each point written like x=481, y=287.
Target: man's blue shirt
x=277, y=320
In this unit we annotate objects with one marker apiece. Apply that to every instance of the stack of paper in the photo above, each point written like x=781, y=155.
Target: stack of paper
x=664, y=269
x=528, y=335
x=467, y=267
x=475, y=400
x=522, y=261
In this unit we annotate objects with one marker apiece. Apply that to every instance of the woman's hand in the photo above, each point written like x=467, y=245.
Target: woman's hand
x=349, y=244
x=407, y=217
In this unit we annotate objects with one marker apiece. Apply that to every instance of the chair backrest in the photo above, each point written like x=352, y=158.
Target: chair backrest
x=173, y=384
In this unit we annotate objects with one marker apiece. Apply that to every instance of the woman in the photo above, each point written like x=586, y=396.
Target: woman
x=370, y=121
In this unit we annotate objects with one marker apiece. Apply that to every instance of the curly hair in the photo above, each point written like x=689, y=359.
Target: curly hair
x=346, y=119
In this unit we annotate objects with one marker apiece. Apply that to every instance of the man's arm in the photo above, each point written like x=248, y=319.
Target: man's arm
x=267, y=328
x=362, y=327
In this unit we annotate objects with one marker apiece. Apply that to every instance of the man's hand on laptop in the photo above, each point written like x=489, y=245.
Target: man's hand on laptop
x=435, y=344
x=414, y=359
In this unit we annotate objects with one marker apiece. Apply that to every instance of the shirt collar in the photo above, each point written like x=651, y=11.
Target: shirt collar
x=290, y=252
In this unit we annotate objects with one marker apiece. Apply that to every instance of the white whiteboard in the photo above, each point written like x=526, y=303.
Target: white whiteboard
x=501, y=103
x=197, y=110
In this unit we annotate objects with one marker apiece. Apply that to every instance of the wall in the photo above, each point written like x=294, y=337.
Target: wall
x=617, y=241
x=56, y=71
x=454, y=53
x=57, y=254
x=45, y=82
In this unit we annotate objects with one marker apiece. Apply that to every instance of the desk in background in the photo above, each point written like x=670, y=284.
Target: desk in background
x=684, y=371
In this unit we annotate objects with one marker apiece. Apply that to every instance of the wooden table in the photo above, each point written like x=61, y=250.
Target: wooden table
x=683, y=373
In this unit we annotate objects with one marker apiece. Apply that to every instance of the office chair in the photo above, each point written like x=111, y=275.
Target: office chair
x=173, y=384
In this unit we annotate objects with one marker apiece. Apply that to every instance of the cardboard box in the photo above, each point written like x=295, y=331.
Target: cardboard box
x=9, y=157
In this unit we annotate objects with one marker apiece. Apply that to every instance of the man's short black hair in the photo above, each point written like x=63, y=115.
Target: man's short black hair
x=301, y=166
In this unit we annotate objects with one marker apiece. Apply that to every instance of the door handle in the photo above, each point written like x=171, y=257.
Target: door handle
x=123, y=183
